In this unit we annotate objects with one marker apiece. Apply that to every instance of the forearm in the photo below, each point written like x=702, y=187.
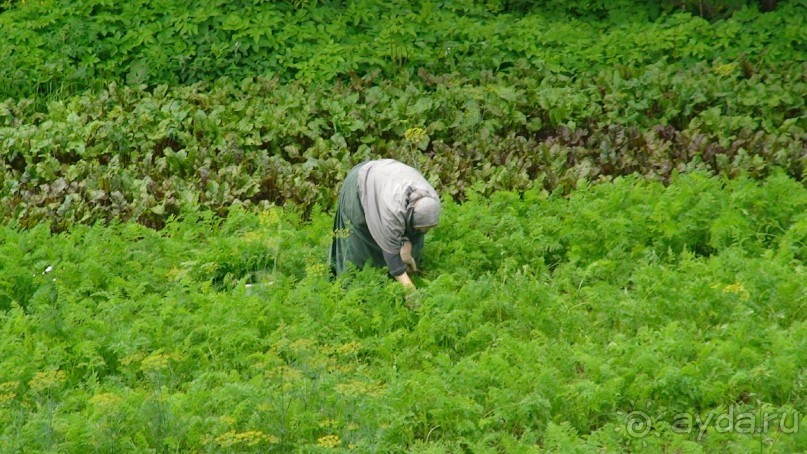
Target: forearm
x=395, y=264
x=405, y=280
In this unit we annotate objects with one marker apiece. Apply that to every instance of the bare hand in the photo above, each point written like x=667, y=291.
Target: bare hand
x=406, y=256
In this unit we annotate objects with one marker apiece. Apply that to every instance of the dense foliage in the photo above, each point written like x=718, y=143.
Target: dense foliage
x=542, y=321
x=131, y=153
x=290, y=95
x=61, y=47
x=624, y=229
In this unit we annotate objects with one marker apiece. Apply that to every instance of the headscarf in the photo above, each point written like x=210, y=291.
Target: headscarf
x=395, y=196
x=425, y=211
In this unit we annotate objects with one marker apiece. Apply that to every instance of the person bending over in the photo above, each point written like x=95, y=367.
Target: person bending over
x=385, y=208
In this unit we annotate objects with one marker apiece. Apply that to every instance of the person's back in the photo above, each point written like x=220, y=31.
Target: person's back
x=384, y=206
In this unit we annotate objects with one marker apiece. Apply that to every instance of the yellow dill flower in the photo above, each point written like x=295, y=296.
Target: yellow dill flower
x=9, y=386
x=358, y=387
x=268, y=218
x=317, y=270
x=350, y=348
x=43, y=381
x=341, y=233
x=7, y=397
x=284, y=373
x=226, y=439
x=725, y=70
x=248, y=438
x=7, y=391
x=155, y=363
x=415, y=135
x=342, y=368
x=302, y=345
x=737, y=289
x=135, y=357
x=328, y=441
x=321, y=362
x=228, y=420
x=328, y=423
x=106, y=400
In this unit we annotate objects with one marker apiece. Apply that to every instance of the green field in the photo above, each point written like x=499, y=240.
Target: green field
x=620, y=265
x=547, y=324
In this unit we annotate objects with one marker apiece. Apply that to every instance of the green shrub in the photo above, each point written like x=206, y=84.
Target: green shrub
x=56, y=48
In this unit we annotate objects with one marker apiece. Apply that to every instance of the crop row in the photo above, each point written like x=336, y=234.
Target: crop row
x=58, y=48
x=136, y=153
x=544, y=322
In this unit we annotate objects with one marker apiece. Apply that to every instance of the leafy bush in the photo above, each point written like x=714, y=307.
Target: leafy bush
x=135, y=153
x=56, y=48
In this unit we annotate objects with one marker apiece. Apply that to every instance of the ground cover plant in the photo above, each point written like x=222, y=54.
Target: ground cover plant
x=620, y=266
x=543, y=322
